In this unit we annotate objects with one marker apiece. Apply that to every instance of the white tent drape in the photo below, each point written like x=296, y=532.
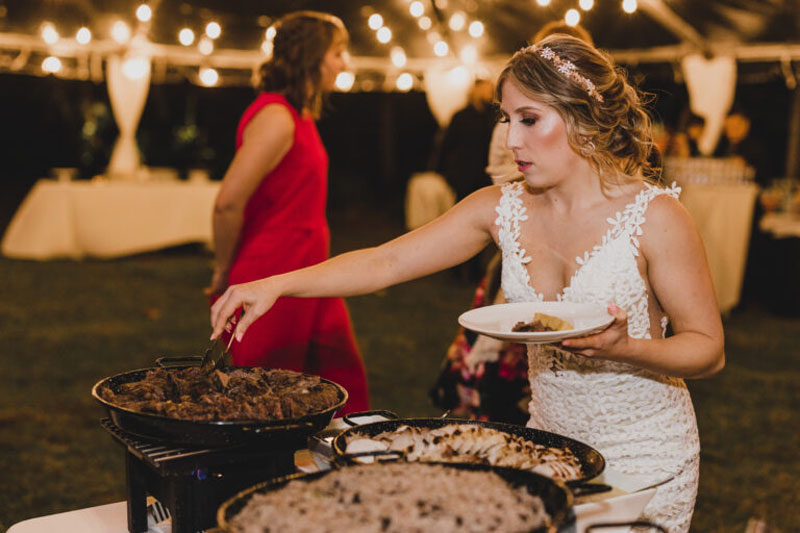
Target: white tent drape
x=711, y=84
x=446, y=91
x=128, y=79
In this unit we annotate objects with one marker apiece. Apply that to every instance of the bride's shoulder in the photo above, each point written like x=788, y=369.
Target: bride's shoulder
x=666, y=217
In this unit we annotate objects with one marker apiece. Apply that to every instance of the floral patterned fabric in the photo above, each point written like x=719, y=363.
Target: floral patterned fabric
x=490, y=385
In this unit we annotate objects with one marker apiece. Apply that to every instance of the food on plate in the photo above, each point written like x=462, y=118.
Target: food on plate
x=472, y=443
x=239, y=394
x=543, y=322
x=394, y=497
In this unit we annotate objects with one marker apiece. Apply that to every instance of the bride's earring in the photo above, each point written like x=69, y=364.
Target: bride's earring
x=587, y=149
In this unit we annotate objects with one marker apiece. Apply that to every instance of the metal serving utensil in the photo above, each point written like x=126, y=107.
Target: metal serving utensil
x=215, y=357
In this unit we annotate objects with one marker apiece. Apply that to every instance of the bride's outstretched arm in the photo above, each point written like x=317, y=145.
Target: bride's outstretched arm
x=678, y=274
x=447, y=241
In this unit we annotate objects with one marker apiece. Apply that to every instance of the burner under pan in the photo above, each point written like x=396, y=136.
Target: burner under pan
x=191, y=482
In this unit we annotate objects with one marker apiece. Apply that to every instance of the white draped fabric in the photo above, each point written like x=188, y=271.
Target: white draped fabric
x=446, y=91
x=724, y=215
x=128, y=79
x=428, y=195
x=711, y=84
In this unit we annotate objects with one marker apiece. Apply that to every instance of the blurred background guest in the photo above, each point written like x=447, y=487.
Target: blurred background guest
x=737, y=143
x=684, y=142
x=465, y=146
x=269, y=215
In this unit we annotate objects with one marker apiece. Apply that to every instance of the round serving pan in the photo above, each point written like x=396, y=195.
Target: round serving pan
x=556, y=496
x=283, y=433
x=592, y=462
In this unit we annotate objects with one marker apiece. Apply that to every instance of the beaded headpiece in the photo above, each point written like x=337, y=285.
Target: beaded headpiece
x=567, y=69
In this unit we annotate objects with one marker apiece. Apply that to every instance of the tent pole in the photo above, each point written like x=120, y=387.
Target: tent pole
x=793, y=142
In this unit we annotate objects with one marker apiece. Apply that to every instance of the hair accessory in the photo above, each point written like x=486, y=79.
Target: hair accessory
x=567, y=69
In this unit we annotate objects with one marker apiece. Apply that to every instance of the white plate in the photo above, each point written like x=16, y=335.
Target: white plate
x=497, y=320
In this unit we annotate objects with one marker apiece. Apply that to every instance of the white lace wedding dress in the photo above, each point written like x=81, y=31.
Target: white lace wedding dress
x=642, y=422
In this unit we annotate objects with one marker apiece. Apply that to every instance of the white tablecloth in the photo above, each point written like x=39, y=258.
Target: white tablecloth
x=107, y=219
x=781, y=225
x=724, y=216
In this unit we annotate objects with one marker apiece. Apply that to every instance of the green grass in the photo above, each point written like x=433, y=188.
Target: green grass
x=64, y=325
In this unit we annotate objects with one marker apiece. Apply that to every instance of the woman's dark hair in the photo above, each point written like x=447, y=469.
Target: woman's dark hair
x=301, y=40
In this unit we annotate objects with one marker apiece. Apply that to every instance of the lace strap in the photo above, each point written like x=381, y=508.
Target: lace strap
x=629, y=222
x=510, y=213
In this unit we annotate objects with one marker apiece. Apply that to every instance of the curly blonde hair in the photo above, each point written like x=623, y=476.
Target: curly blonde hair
x=614, y=132
x=301, y=41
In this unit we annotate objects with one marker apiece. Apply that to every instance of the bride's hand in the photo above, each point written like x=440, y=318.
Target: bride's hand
x=610, y=342
x=255, y=299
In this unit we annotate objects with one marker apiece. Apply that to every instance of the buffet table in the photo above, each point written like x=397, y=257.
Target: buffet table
x=624, y=503
x=621, y=505
x=781, y=225
x=106, y=219
x=724, y=216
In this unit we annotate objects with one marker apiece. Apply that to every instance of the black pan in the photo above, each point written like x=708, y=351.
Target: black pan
x=279, y=434
x=592, y=462
x=556, y=496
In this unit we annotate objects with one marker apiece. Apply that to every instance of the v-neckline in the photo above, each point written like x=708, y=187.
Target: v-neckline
x=615, y=222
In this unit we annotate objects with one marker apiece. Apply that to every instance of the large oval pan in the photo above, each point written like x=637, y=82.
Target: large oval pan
x=592, y=462
x=283, y=433
x=556, y=496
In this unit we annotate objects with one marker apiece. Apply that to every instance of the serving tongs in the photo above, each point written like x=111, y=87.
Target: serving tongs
x=216, y=358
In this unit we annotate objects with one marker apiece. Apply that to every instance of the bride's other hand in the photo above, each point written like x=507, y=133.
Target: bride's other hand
x=610, y=342
x=254, y=298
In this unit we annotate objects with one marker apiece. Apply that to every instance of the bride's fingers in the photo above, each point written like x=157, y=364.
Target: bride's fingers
x=244, y=322
x=617, y=312
x=579, y=343
x=222, y=310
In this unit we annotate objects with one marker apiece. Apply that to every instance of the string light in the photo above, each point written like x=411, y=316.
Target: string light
x=49, y=33
x=469, y=54
x=345, y=80
x=433, y=37
x=84, y=35
x=205, y=46
x=144, y=13
x=213, y=30
x=425, y=23
x=270, y=33
x=459, y=75
x=476, y=28
x=457, y=21
x=186, y=37
x=440, y=48
x=543, y=2
x=586, y=5
x=51, y=64
x=375, y=21
x=416, y=8
x=398, y=56
x=572, y=17
x=404, y=82
x=135, y=68
x=209, y=77
x=384, y=35
x=121, y=32
x=629, y=6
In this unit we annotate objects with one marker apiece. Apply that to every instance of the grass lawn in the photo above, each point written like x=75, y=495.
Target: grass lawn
x=64, y=325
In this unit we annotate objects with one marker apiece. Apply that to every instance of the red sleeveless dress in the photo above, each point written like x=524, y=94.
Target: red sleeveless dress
x=285, y=229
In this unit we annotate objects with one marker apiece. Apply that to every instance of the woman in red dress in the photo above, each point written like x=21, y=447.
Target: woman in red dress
x=269, y=215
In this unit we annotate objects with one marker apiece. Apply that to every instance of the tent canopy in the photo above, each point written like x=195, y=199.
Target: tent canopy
x=508, y=23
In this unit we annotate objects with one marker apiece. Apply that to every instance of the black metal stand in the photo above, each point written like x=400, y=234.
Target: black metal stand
x=191, y=483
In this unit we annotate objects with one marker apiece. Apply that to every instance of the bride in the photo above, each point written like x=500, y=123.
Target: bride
x=584, y=225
